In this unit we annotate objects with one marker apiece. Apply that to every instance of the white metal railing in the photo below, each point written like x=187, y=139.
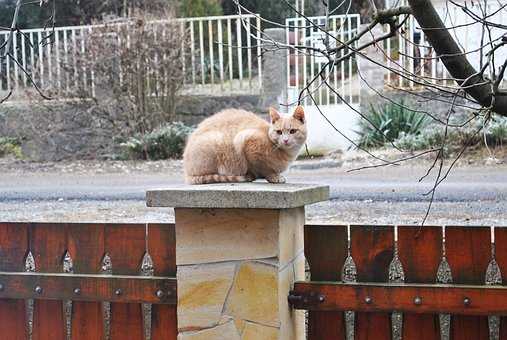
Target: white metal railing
x=415, y=62
x=302, y=67
x=222, y=57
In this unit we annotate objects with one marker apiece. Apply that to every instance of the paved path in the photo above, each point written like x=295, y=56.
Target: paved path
x=472, y=195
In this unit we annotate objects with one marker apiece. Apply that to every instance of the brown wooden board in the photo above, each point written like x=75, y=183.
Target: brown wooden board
x=326, y=251
x=48, y=244
x=126, y=246
x=58, y=286
x=162, y=248
x=86, y=246
x=372, y=249
x=468, y=251
x=420, y=252
x=13, y=245
x=501, y=258
x=386, y=297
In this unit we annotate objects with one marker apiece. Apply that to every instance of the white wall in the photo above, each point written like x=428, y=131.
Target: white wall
x=322, y=137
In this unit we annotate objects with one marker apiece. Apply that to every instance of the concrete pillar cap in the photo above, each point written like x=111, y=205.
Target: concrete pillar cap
x=238, y=195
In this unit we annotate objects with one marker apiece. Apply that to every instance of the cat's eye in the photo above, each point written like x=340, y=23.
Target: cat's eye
x=279, y=132
x=292, y=131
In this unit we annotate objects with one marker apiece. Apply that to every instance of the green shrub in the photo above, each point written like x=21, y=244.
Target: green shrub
x=497, y=131
x=457, y=138
x=10, y=146
x=391, y=121
x=165, y=142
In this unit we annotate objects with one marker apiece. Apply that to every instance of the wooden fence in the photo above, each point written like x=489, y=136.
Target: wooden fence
x=387, y=282
x=87, y=281
x=116, y=281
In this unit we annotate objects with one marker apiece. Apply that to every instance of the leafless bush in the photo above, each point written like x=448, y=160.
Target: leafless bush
x=130, y=71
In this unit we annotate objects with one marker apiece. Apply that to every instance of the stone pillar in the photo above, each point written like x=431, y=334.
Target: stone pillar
x=274, y=71
x=239, y=248
x=371, y=72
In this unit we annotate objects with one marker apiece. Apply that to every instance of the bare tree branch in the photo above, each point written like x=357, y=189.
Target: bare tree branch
x=452, y=56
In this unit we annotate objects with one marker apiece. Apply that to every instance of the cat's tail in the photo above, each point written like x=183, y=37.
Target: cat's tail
x=207, y=179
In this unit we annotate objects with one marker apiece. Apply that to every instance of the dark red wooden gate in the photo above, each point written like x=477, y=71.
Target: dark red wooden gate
x=87, y=281
x=426, y=276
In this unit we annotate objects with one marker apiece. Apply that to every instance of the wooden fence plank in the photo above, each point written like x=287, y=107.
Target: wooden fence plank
x=372, y=250
x=126, y=246
x=501, y=258
x=48, y=244
x=420, y=252
x=86, y=246
x=386, y=297
x=133, y=289
x=326, y=251
x=13, y=246
x=468, y=250
x=162, y=248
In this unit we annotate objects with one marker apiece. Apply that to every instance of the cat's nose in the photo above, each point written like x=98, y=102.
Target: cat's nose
x=286, y=141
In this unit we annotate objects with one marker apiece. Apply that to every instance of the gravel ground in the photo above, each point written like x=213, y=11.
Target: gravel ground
x=91, y=191
x=84, y=191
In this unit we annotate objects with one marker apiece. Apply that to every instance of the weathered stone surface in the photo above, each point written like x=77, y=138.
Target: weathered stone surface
x=202, y=291
x=253, y=331
x=254, y=294
x=80, y=130
x=192, y=109
x=291, y=320
x=274, y=73
x=215, y=235
x=257, y=195
x=291, y=234
x=226, y=331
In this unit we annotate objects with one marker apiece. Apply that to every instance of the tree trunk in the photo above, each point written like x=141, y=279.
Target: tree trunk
x=453, y=58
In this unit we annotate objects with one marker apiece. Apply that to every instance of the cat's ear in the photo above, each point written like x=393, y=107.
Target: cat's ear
x=299, y=114
x=275, y=115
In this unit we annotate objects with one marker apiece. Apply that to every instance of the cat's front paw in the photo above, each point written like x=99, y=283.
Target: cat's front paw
x=278, y=179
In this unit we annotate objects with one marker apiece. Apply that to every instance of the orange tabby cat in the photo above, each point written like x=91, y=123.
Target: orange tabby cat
x=237, y=146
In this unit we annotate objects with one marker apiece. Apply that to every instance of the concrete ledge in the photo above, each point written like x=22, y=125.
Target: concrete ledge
x=238, y=195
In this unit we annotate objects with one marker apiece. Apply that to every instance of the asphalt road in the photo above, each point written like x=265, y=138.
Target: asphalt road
x=471, y=195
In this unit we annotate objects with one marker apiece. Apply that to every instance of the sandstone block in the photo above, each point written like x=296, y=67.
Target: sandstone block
x=202, y=291
x=215, y=235
x=254, y=294
x=226, y=331
x=253, y=331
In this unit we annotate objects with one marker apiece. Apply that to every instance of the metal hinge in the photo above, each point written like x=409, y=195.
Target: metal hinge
x=305, y=299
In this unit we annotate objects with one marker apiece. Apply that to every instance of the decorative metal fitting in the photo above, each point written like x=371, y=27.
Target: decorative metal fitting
x=118, y=292
x=417, y=300
x=305, y=299
x=160, y=294
x=38, y=290
x=467, y=301
x=368, y=300
x=2, y=287
x=77, y=291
